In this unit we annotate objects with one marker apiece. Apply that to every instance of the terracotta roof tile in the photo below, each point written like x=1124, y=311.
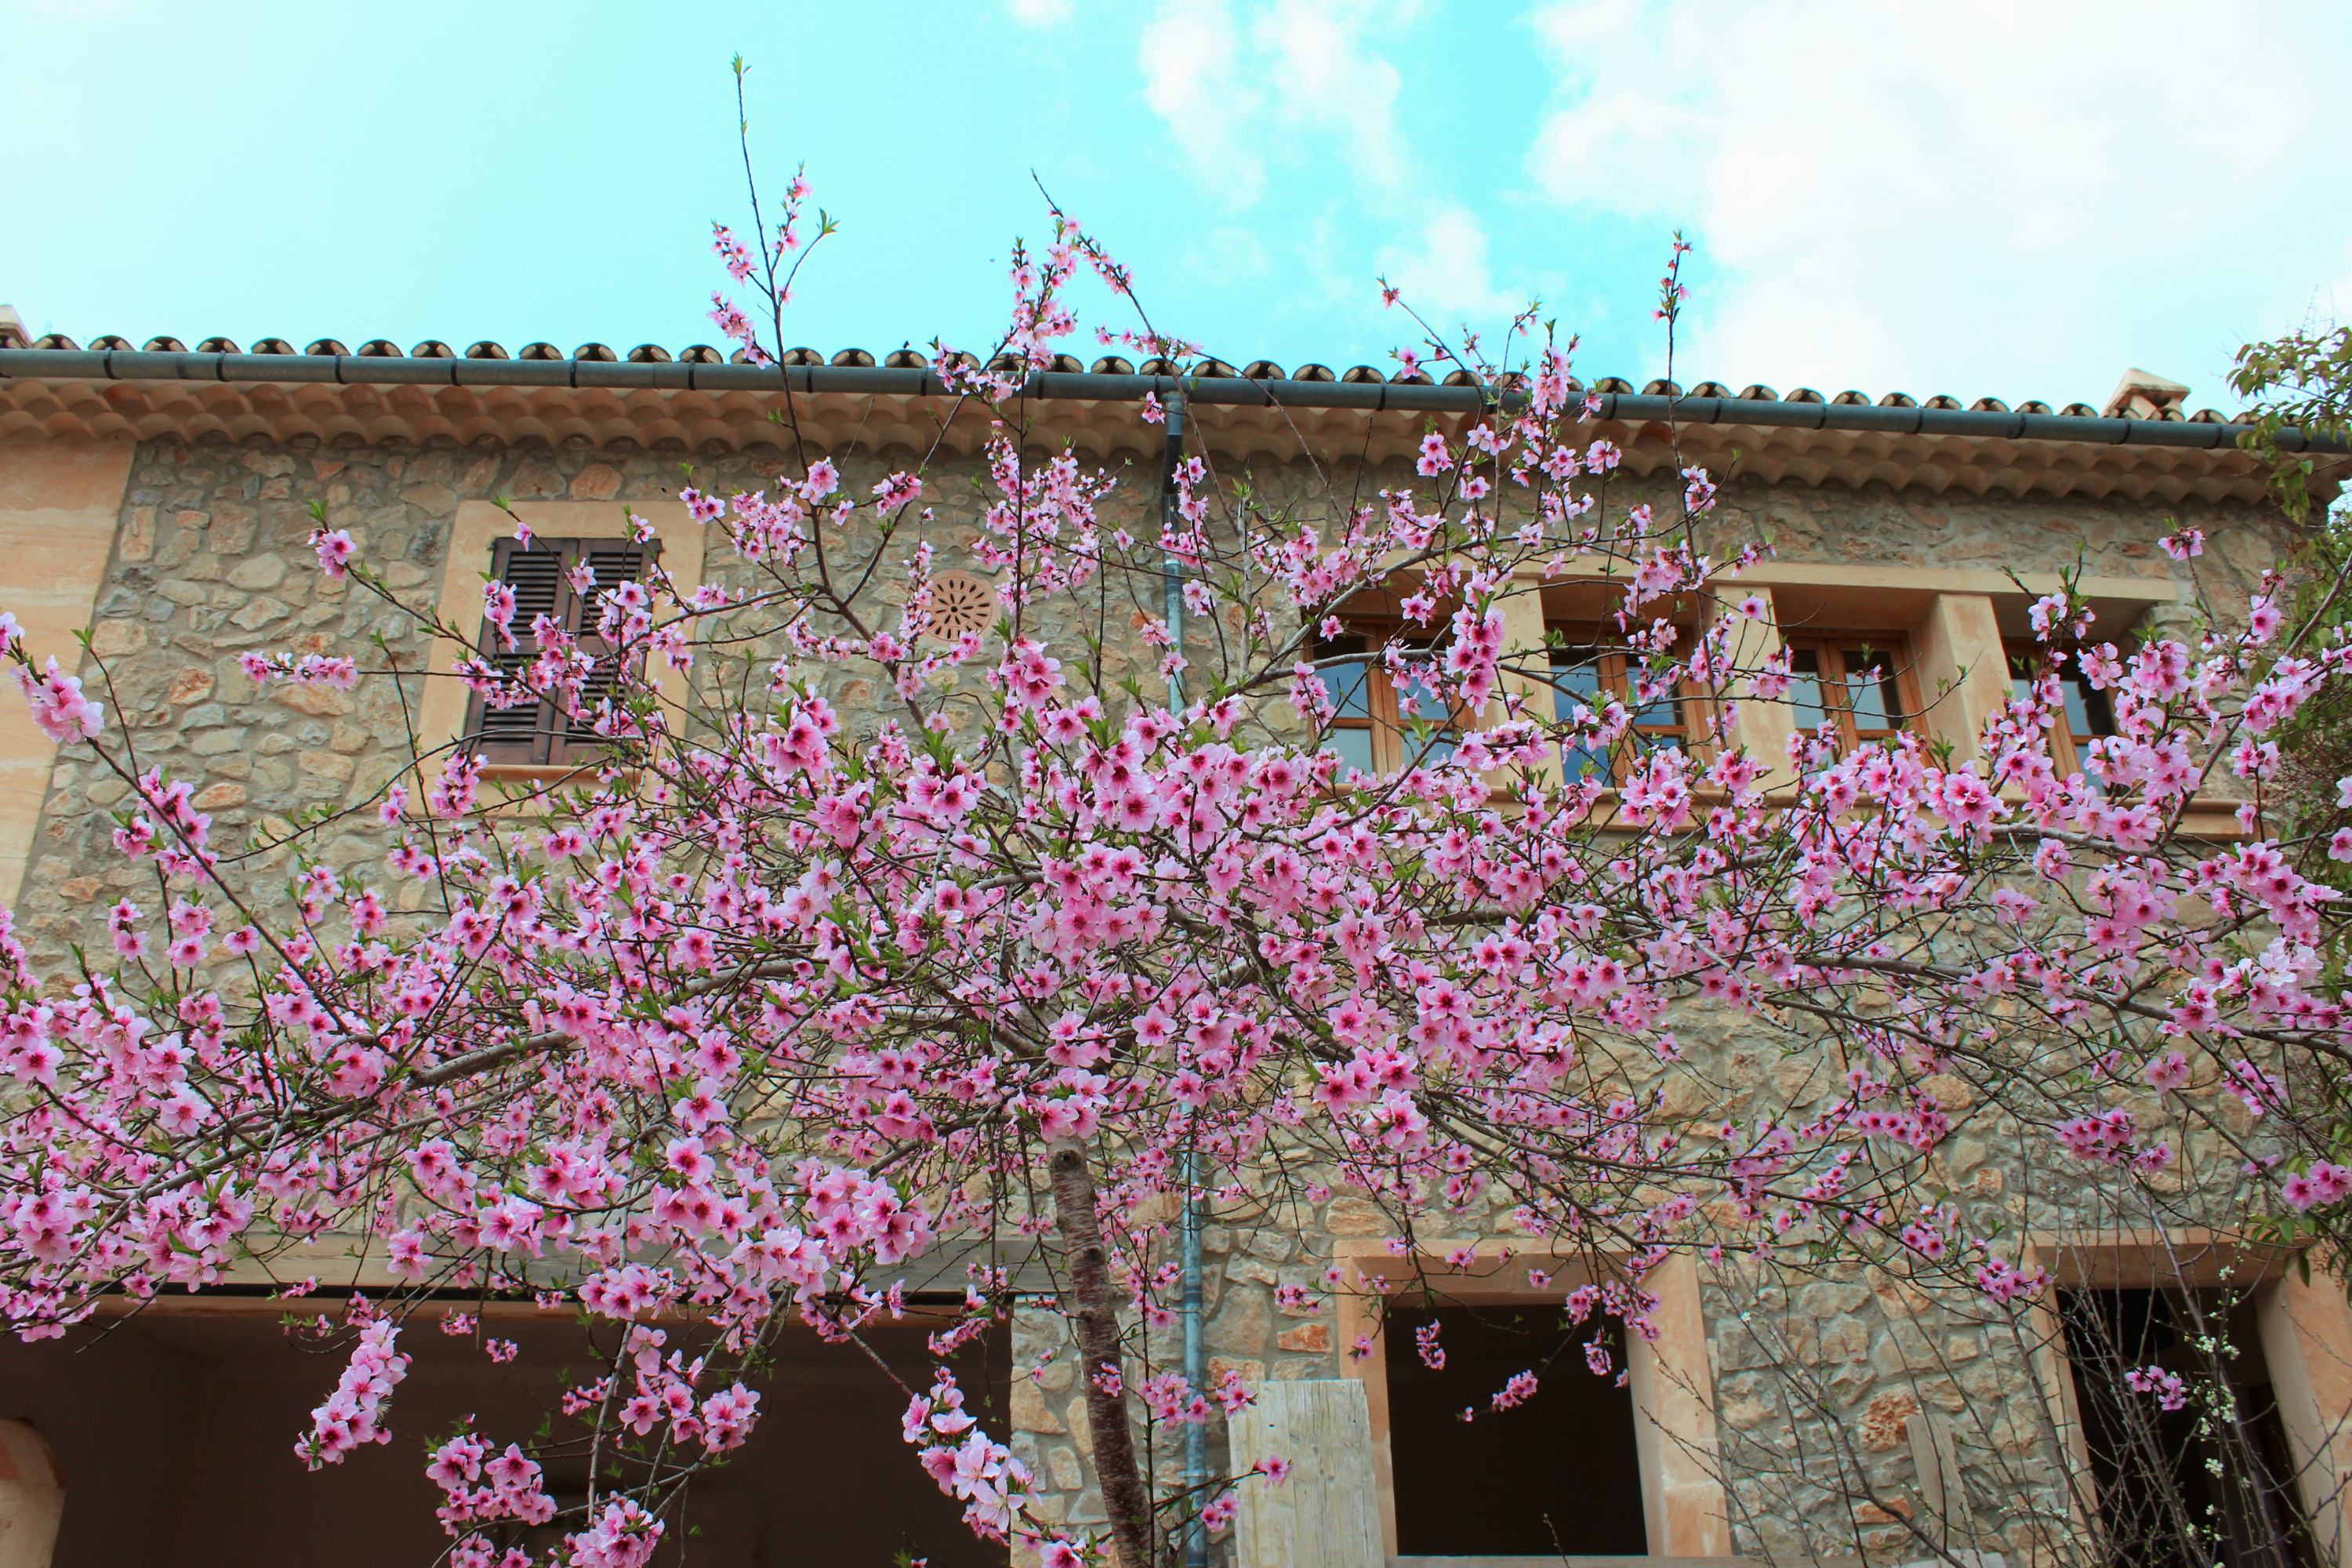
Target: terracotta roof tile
x=1774, y=445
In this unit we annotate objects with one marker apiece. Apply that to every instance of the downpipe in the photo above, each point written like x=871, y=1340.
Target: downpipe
x=1196, y=1367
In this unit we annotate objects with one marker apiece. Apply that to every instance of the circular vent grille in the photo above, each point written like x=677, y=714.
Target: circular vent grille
x=961, y=602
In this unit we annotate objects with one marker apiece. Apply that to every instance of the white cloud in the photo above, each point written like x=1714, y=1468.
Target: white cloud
x=1298, y=75
x=2000, y=201
x=1309, y=83
x=1191, y=80
x=1313, y=53
x=1040, y=12
x=1444, y=272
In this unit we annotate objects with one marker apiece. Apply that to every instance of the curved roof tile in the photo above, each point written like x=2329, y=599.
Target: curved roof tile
x=371, y=407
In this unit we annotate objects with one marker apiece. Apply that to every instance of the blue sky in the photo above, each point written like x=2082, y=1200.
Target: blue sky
x=2019, y=201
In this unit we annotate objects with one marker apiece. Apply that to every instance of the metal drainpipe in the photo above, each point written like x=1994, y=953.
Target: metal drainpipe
x=1196, y=1437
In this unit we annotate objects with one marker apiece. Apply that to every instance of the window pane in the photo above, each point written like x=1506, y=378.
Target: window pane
x=1354, y=748
x=1416, y=700
x=1664, y=708
x=1870, y=693
x=1805, y=688
x=1577, y=683
x=1349, y=686
x=1576, y=679
x=2088, y=713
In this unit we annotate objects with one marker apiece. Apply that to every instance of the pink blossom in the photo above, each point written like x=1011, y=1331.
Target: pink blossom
x=59, y=709
x=335, y=552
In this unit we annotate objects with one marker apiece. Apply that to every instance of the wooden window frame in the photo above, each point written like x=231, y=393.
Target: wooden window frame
x=1615, y=666
x=1832, y=679
x=1392, y=747
x=2067, y=747
x=539, y=735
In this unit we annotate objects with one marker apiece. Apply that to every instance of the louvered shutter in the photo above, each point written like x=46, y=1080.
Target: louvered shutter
x=614, y=561
x=537, y=733
x=521, y=734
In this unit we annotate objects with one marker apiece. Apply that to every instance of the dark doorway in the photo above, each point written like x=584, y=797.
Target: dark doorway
x=2192, y=1487
x=1555, y=1474
x=175, y=1435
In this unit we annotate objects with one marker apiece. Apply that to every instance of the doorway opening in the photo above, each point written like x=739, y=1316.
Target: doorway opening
x=1557, y=1474
x=2210, y=1481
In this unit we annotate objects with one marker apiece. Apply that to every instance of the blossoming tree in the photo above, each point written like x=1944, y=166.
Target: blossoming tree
x=723, y=1031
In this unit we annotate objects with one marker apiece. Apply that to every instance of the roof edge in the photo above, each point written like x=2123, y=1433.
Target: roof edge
x=124, y=365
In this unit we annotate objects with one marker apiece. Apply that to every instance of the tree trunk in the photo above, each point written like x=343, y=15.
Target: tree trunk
x=1094, y=1309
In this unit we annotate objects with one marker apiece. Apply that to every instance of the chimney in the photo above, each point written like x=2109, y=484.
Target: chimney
x=2140, y=395
x=12, y=329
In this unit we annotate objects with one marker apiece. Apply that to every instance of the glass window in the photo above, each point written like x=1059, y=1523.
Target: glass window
x=1577, y=682
x=1587, y=672
x=1853, y=685
x=2089, y=714
x=1424, y=718
x=1380, y=723
x=1349, y=688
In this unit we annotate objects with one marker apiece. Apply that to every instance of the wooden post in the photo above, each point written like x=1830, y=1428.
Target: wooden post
x=32, y=1498
x=1327, y=1514
x=1941, y=1492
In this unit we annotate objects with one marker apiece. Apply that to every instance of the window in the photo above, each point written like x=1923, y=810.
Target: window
x=1857, y=685
x=2210, y=1482
x=1383, y=724
x=1559, y=1474
x=541, y=576
x=2089, y=715
x=1586, y=672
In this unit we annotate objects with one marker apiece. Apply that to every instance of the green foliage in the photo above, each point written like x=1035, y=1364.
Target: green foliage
x=2300, y=382
x=2303, y=382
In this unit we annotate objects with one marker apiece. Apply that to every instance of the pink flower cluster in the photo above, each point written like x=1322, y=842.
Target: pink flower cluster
x=59, y=708
x=354, y=1412
x=2171, y=1394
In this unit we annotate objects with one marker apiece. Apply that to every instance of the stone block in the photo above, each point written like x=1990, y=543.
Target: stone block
x=114, y=639
x=1030, y=1411
x=232, y=530
x=320, y=702
x=258, y=613
x=325, y=765
x=1062, y=1469
x=260, y=572
x=597, y=482
x=1884, y=1419
x=138, y=540
x=1244, y=1327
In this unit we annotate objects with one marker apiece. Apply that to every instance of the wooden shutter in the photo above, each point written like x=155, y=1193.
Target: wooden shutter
x=614, y=561
x=538, y=734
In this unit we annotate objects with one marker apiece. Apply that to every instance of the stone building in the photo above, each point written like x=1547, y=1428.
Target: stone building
x=159, y=499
